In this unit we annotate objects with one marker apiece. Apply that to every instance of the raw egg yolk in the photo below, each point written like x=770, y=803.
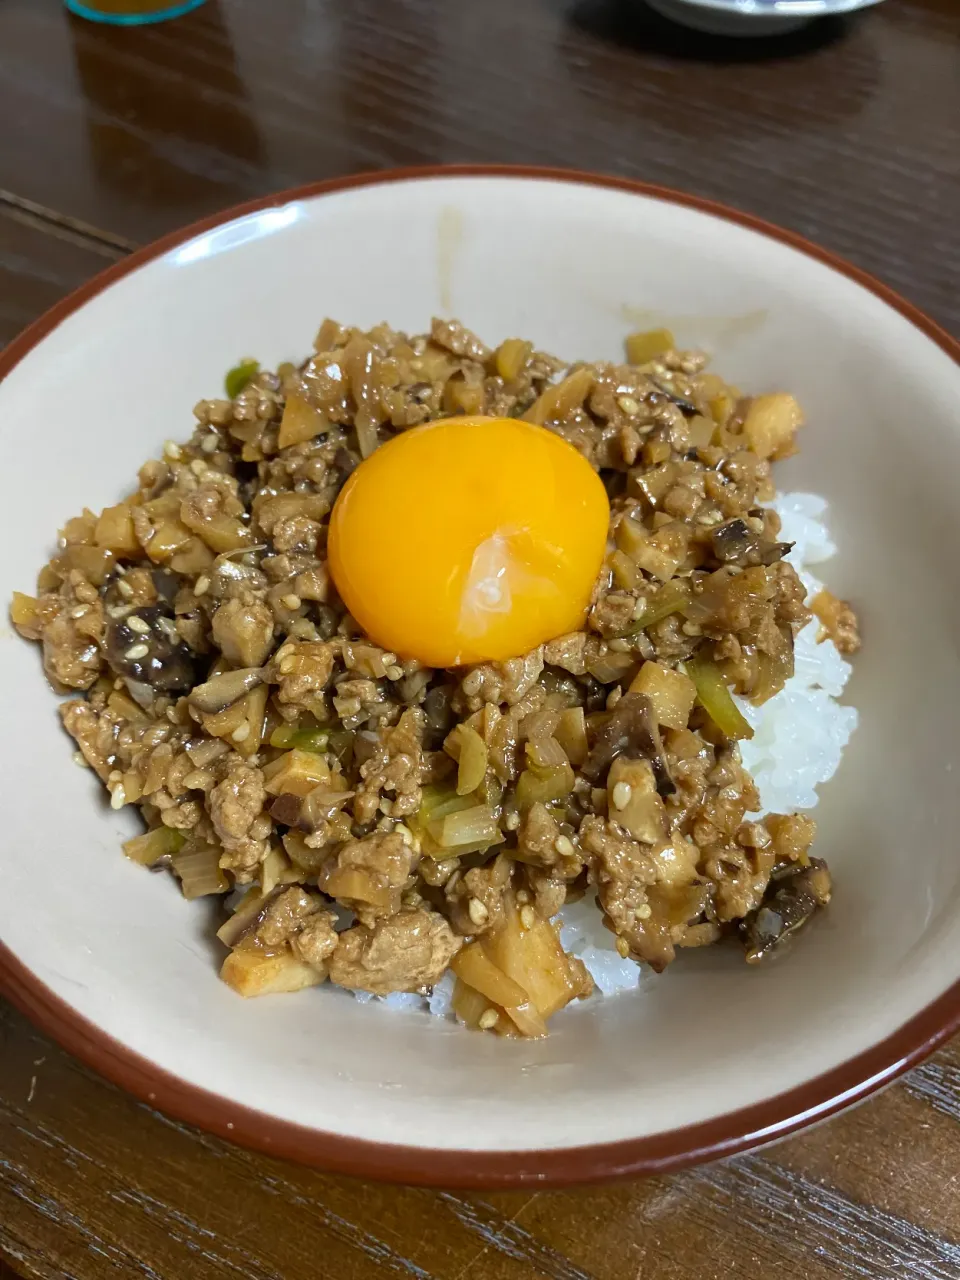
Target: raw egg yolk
x=469, y=540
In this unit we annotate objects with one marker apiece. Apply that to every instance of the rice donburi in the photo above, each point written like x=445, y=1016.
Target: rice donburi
x=380, y=822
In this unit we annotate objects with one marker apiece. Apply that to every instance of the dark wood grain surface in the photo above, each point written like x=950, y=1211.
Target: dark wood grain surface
x=850, y=134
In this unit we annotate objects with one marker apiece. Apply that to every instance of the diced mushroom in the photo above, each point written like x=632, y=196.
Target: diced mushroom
x=736, y=543
x=788, y=904
x=144, y=646
x=631, y=730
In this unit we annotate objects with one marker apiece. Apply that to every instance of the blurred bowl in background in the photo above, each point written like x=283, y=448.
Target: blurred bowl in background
x=752, y=17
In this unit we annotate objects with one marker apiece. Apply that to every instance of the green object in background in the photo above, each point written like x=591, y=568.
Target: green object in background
x=131, y=13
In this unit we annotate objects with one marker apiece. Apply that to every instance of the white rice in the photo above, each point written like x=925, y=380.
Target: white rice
x=799, y=737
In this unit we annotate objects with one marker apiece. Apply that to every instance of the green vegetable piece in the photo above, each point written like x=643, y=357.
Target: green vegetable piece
x=288, y=737
x=671, y=598
x=154, y=845
x=239, y=376
x=716, y=699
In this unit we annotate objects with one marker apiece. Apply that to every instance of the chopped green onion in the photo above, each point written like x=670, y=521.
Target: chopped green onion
x=672, y=597
x=154, y=845
x=289, y=737
x=716, y=699
x=239, y=376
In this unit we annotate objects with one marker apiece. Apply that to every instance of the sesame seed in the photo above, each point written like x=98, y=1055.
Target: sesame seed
x=511, y=821
x=394, y=672
x=114, y=775
x=198, y=466
x=138, y=625
x=386, y=807
x=477, y=912
x=690, y=629
x=171, y=450
x=290, y=601
x=125, y=588
x=522, y=896
x=241, y=733
x=136, y=652
x=528, y=917
x=563, y=846
x=488, y=1019
x=640, y=608
x=169, y=626
x=209, y=444
x=118, y=797
x=628, y=405
x=389, y=659
x=644, y=911
x=118, y=610
x=287, y=665
x=284, y=651
x=622, y=792
x=80, y=611
x=622, y=949
x=201, y=586
x=405, y=834
x=80, y=759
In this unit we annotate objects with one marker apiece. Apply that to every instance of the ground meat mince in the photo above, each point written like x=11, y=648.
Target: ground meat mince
x=375, y=822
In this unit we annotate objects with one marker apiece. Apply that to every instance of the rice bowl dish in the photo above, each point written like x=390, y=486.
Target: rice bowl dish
x=471, y=679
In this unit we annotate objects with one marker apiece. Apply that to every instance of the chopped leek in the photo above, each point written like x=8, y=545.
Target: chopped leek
x=238, y=377
x=148, y=849
x=716, y=699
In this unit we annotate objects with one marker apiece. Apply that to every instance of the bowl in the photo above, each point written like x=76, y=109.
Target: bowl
x=753, y=17
x=712, y=1057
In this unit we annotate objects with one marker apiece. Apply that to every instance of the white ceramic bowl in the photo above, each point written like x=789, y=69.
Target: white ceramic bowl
x=714, y=1056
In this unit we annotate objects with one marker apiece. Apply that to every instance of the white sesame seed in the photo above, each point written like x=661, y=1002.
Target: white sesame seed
x=622, y=792
x=644, y=911
x=528, y=917
x=628, y=405
x=386, y=807
x=488, y=1019
x=284, y=652
x=405, y=834
x=622, y=948
x=563, y=846
x=169, y=626
x=125, y=588
x=290, y=601
x=389, y=659
x=118, y=797
x=198, y=466
x=394, y=672
x=511, y=821
x=201, y=586
x=209, y=444
x=80, y=759
x=80, y=611
x=171, y=450
x=138, y=625
x=241, y=733
x=136, y=652
x=477, y=912
x=287, y=665
x=640, y=608
x=118, y=610
x=114, y=775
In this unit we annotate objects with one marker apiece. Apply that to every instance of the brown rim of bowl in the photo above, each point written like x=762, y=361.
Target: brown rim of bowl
x=660, y=1153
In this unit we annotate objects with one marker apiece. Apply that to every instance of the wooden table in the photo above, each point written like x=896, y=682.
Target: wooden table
x=849, y=133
